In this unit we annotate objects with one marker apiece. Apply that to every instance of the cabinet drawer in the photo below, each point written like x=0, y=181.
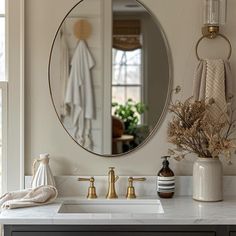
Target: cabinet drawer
x=232, y=233
x=114, y=234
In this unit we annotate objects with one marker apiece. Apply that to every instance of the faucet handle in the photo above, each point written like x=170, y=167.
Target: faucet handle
x=116, y=178
x=112, y=171
x=91, y=190
x=91, y=179
x=131, y=179
x=131, y=190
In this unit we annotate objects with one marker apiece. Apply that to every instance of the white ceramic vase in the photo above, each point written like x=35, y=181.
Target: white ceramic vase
x=208, y=180
x=43, y=175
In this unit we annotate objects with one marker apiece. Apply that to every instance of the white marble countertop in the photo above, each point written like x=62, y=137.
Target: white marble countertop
x=177, y=211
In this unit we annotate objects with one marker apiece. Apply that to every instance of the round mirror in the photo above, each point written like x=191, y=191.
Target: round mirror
x=110, y=75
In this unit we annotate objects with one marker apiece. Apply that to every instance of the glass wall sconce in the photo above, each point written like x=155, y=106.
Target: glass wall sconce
x=214, y=15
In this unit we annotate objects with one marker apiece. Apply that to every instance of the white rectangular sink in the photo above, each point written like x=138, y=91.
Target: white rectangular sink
x=122, y=206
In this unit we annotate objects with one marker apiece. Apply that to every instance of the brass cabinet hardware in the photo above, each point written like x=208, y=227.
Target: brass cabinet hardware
x=131, y=190
x=112, y=178
x=91, y=190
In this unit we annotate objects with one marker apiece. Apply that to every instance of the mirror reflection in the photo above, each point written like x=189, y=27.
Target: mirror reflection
x=110, y=75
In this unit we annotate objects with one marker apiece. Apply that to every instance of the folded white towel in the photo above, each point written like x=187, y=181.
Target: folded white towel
x=28, y=198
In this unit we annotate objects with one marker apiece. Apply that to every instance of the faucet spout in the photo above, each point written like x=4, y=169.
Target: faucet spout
x=112, y=178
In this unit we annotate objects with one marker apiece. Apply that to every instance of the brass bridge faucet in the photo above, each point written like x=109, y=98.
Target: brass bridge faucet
x=111, y=194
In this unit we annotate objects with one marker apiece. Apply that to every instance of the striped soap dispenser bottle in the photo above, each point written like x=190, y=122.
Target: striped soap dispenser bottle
x=165, y=180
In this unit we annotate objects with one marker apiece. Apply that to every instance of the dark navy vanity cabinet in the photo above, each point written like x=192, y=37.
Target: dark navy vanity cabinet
x=111, y=230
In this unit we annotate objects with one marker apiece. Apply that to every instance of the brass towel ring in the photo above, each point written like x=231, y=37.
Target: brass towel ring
x=222, y=36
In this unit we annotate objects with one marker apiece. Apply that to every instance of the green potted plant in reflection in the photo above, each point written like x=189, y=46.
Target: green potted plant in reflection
x=130, y=114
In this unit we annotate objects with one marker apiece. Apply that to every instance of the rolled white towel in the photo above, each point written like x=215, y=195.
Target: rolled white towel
x=28, y=198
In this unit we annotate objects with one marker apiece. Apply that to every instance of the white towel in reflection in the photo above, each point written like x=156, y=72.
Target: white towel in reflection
x=28, y=198
x=64, y=73
x=79, y=94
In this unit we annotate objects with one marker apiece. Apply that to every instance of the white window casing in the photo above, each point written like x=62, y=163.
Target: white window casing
x=13, y=161
x=4, y=90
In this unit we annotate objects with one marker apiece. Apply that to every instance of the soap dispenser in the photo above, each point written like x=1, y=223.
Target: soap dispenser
x=165, y=180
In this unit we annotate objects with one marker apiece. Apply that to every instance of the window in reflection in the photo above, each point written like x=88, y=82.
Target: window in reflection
x=127, y=76
x=128, y=106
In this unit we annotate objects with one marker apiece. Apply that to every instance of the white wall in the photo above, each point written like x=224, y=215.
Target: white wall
x=181, y=20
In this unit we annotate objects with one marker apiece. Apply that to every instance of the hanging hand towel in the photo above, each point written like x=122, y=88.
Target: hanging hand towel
x=213, y=79
x=28, y=198
x=229, y=85
x=79, y=94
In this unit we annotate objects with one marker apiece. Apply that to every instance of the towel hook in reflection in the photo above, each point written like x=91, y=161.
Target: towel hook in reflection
x=82, y=29
x=207, y=36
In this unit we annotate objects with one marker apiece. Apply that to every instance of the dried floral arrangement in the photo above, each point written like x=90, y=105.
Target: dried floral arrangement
x=193, y=130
